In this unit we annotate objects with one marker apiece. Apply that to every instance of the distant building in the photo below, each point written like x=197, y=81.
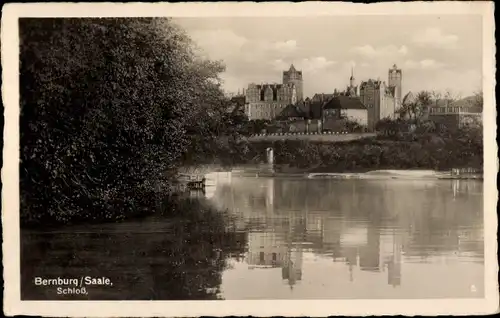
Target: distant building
x=266, y=101
x=344, y=107
x=453, y=116
x=379, y=101
x=293, y=112
x=316, y=103
x=322, y=97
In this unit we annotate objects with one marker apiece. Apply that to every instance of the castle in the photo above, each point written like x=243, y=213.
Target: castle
x=266, y=101
x=380, y=99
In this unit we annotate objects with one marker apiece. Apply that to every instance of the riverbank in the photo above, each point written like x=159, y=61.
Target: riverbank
x=370, y=175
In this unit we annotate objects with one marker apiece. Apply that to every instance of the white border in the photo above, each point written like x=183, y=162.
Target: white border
x=10, y=171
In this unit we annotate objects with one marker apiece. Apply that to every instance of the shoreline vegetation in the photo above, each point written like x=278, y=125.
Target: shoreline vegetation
x=439, y=151
x=104, y=141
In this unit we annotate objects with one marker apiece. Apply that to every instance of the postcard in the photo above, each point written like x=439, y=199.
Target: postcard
x=263, y=159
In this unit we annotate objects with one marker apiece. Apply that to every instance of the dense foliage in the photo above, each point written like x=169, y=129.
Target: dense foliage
x=109, y=108
x=420, y=148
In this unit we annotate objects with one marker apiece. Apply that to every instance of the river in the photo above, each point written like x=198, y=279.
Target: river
x=273, y=238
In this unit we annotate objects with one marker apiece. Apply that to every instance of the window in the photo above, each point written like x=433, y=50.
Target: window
x=261, y=256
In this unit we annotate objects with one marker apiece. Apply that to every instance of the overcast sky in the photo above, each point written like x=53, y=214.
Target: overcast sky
x=434, y=52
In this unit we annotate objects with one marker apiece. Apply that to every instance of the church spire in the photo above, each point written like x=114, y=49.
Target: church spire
x=352, y=79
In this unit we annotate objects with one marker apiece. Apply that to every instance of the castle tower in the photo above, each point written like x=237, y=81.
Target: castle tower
x=352, y=80
x=292, y=76
x=395, y=80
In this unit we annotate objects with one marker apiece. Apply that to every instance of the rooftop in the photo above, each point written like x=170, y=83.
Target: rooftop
x=344, y=102
x=291, y=111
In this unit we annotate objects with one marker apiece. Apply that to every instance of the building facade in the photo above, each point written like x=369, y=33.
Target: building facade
x=456, y=116
x=344, y=107
x=266, y=101
x=379, y=101
x=382, y=100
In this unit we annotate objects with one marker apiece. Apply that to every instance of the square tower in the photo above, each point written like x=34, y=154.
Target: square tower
x=395, y=80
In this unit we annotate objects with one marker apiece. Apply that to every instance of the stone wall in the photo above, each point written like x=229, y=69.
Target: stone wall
x=329, y=137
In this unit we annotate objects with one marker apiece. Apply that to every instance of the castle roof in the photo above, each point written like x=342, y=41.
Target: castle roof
x=291, y=111
x=292, y=70
x=395, y=69
x=303, y=106
x=371, y=82
x=322, y=96
x=344, y=102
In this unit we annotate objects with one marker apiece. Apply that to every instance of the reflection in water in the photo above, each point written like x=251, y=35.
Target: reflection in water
x=424, y=237
x=280, y=239
x=157, y=258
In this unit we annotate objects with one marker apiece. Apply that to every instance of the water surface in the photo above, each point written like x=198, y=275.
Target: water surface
x=281, y=239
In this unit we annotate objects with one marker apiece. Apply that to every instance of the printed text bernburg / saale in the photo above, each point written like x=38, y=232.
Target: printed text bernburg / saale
x=82, y=281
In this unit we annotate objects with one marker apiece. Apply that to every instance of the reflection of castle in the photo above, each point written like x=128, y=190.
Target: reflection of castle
x=266, y=249
x=269, y=249
x=292, y=271
x=367, y=229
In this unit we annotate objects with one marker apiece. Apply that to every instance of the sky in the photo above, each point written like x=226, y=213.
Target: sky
x=439, y=53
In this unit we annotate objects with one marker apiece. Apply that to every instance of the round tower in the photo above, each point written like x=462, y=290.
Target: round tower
x=292, y=76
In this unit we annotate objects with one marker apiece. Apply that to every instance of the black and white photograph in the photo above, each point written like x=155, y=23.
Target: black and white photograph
x=297, y=156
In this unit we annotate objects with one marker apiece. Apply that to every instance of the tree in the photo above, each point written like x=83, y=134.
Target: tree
x=451, y=97
x=478, y=100
x=415, y=107
x=105, y=107
x=437, y=96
